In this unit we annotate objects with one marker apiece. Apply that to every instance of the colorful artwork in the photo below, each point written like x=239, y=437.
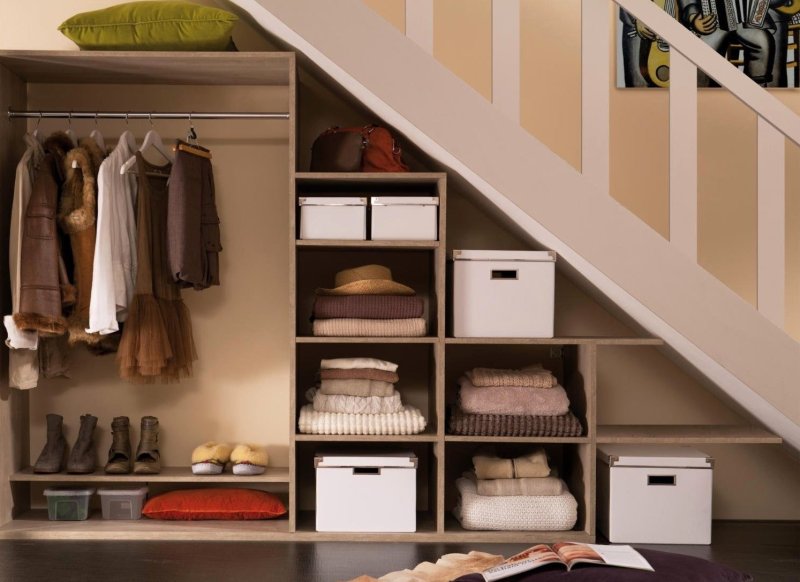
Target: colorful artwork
x=761, y=37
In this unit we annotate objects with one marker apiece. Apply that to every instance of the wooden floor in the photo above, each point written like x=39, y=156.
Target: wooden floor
x=768, y=550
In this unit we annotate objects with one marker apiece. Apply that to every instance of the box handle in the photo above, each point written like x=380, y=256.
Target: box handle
x=661, y=479
x=505, y=274
x=366, y=471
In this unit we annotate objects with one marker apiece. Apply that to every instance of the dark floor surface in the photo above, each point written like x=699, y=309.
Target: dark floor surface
x=770, y=551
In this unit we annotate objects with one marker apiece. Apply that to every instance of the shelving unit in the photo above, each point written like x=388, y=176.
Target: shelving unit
x=167, y=475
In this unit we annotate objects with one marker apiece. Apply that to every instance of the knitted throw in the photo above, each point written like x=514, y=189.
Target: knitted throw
x=532, y=376
x=516, y=400
x=370, y=327
x=360, y=374
x=408, y=421
x=368, y=306
x=352, y=363
x=566, y=425
x=516, y=513
x=354, y=404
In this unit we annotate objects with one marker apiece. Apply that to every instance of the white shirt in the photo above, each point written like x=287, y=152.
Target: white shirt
x=114, y=268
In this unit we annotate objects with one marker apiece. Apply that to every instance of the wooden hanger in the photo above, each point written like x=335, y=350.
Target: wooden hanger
x=189, y=149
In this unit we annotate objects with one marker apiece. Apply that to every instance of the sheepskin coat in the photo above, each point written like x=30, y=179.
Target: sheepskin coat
x=45, y=289
x=77, y=217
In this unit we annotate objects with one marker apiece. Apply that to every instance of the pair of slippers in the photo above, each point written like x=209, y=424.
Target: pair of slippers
x=210, y=459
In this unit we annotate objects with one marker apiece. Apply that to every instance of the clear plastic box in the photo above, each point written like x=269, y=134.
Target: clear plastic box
x=68, y=504
x=122, y=503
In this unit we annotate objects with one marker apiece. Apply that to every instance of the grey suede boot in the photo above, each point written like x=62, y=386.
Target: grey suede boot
x=119, y=455
x=51, y=460
x=82, y=458
x=148, y=457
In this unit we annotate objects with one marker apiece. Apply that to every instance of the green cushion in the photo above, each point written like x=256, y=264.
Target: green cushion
x=154, y=26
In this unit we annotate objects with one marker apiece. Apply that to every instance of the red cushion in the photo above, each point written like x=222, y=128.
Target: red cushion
x=195, y=504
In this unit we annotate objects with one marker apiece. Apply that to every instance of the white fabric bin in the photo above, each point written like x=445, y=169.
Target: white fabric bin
x=366, y=493
x=338, y=218
x=654, y=494
x=404, y=217
x=503, y=293
x=122, y=503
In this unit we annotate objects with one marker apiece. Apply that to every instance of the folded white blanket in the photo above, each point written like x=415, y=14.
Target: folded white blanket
x=516, y=513
x=355, y=363
x=408, y=421
x=354, y=404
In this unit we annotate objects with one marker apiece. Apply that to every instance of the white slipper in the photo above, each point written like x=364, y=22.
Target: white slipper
x=210, y=458
x=249, y=459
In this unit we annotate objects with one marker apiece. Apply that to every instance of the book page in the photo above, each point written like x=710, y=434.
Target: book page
x=530, y=559
x=620, y=556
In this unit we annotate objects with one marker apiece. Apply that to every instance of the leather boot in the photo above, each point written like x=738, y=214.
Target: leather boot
x=82, y=458
x=51, y=460
x=148, y=457
x=119, y=455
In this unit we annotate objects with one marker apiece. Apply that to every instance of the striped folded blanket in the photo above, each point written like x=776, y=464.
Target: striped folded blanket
x=515, y=513
x=566, y=425
x=414, y=327
x=368, y=306
x=408, y=421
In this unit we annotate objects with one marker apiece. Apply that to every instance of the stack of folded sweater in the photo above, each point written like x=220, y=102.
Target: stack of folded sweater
x=525, y=402
x=366, y=302
x=357, y=396
x=514, y=494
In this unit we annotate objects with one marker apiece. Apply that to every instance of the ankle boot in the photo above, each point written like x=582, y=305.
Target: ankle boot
x=148, y=457
x=51, y=460
x=82, y=458
x=119, y=455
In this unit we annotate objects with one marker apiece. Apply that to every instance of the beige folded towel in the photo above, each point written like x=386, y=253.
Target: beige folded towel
x=533, y=376
x=352, y=363
x=351, y=327
x=490, y=466
x=357, y=387
x=360, y=374
x=513, y=487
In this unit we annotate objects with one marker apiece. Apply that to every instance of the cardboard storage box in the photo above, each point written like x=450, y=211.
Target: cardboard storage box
x=404, y=217
x=122, y=503
x=336, y=218
x=654, y=494
x=503, y=293
x=366, y=493
x=68, y=503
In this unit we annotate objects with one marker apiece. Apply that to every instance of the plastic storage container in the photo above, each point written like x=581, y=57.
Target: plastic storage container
x=367, y=493
x=337, y=218
x=68, y=503
x=503, y=293
x=654, y=494
x=122, y=503
x=404, y=217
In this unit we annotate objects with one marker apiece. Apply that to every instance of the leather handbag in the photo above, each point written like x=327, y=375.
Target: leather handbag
x=356, y=149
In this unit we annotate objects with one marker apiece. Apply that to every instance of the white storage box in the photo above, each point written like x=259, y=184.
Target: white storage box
x=367, y=493
x=122, y=503
x=503, y=293
x=333, y=218
x=404, y=217
x=654, y=494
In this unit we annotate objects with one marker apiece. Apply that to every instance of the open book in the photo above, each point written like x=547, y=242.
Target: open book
x=567, y=554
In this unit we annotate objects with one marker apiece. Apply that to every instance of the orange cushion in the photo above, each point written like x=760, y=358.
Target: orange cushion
x=196, y=504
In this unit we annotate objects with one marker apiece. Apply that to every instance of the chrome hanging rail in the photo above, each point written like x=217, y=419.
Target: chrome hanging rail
x=143, y=115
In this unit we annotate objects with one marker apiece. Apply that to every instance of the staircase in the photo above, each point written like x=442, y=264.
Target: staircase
x=740, y=348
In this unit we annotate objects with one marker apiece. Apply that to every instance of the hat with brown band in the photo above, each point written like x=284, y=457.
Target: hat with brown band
x=366, y=280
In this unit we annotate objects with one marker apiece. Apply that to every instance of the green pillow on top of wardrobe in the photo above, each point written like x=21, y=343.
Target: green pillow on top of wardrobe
x=154, y=26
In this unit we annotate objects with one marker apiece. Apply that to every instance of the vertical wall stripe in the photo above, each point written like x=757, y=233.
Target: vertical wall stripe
x=771, y=222
x=683, y=154
x=419, y=23
x=595, y=67
x=393, y=11
x=506, y=57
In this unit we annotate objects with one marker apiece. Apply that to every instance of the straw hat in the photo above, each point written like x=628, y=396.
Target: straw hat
x=366, y=280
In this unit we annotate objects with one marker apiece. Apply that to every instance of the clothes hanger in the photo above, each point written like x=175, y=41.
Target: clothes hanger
x=127, y=136
x=35, y=134
x=97, y=136
x=193, y=144
x=151, y=139
x=70, y=133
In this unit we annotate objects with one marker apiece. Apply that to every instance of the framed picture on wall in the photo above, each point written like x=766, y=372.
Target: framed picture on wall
x=760, y=37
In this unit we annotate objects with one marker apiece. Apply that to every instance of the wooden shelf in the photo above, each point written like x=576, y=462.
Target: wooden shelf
x=679, y=434
x=426, y=531
x=424, y=437
x=455, y=533
x=167, y=475
x=34, y=525
x=560, y=341
x=503, y=439
x=369, y=244
x=366, y=340
x=370, y=177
